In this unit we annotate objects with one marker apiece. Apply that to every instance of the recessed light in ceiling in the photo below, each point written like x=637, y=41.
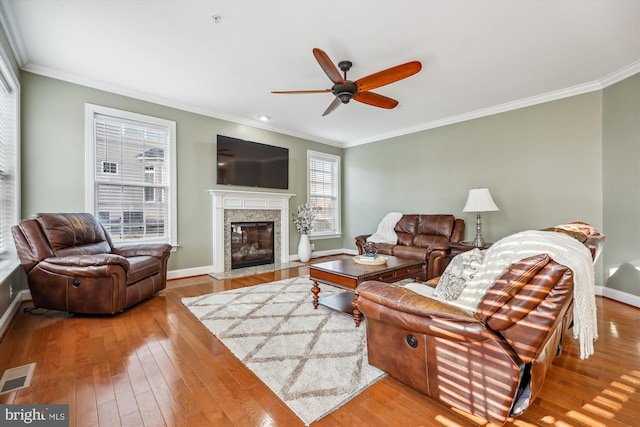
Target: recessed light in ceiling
x=264, y=118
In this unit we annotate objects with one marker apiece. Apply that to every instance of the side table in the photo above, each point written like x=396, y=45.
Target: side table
x=459, y=247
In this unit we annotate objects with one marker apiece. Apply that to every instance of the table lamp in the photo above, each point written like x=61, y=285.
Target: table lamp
x=479, y=200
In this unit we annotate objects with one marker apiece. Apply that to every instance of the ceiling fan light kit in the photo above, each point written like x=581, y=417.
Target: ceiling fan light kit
x=345, y=90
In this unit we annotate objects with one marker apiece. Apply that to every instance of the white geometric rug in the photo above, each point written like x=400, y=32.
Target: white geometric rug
x=314, y=360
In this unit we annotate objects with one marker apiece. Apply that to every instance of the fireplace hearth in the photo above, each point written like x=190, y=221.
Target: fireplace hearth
x=252, y=244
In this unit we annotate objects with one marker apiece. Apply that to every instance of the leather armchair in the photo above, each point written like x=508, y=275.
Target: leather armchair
x=72, y=265
x=422, y=237
x=491, y=363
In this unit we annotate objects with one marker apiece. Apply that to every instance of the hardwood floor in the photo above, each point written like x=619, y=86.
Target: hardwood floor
x=156, y=365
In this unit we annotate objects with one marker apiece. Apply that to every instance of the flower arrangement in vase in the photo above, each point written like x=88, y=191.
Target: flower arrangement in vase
x=303, y=218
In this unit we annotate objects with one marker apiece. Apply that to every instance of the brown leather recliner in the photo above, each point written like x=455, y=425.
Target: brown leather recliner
x=73, y=266
x=423, y=237
x=491, y=363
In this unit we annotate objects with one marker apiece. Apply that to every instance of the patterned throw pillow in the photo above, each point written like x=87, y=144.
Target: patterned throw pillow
x=460, y=270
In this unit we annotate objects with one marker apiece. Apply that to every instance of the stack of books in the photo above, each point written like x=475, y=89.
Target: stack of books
x=368, y=257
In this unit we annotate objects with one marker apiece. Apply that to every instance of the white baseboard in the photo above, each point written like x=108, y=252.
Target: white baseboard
x=11, y=312
x=189, y=272
x=619, y=296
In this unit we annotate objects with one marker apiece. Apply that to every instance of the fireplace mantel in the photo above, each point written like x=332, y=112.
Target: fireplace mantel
x=235, y=199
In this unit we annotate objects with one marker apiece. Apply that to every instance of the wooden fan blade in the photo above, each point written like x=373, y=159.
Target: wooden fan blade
x=302, y=91
x=328, y=67
x=375, y=100
x=387, y=76
x=334, y=104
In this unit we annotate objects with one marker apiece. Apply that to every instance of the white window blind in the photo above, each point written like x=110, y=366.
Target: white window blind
x=132, y=179
x=324, y=192
x=8, y=160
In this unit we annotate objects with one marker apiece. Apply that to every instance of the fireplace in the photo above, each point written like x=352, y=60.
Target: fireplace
x=248, y=206
x=252, y=244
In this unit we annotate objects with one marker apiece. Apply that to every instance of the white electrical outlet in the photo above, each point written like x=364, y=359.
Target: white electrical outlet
x=313, y=246
x=10, y=291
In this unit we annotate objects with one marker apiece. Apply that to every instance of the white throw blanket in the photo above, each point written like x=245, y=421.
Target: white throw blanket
x=561, y=248
x=385, y=232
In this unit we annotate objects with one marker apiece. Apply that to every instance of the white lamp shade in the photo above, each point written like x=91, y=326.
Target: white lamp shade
x=479, y=200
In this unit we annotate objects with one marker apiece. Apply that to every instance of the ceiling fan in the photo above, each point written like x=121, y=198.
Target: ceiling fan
x=346, y=90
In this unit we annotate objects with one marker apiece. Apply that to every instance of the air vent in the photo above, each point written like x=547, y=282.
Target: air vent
x=16, y=378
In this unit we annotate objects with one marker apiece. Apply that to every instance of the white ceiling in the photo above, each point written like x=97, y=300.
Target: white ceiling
x=478, y=57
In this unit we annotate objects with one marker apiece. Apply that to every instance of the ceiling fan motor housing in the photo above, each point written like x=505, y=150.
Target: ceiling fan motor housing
x=345, y=92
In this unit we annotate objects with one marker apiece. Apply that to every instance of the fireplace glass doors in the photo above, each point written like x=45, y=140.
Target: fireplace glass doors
x=251, y=244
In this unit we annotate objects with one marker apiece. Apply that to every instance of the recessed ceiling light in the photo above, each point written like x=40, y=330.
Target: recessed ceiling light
x=264, y=118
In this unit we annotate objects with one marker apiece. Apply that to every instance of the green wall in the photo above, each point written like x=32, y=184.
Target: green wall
x=53, y=159
x=542, y=164
x=621, y=183
x=574, y=159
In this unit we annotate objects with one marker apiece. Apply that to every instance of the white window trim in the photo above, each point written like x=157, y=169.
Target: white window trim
x=12, y=84
x=337, y=159
x=90, y=110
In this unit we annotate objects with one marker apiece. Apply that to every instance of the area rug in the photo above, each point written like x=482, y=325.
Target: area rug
x=314, y=360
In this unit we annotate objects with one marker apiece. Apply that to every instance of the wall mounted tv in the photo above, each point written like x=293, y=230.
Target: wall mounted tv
x=252, y=164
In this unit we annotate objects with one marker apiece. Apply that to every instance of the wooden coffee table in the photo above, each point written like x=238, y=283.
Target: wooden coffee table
x=347, y=274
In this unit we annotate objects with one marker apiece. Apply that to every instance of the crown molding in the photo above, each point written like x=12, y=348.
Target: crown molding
x=621, y=74
x=606, y=81
x=497, y=109
x=99, y=85
x=600, y=84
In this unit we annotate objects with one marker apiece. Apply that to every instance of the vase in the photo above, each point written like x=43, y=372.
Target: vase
x=304, y=248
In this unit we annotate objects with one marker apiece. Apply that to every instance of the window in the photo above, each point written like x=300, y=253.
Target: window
x=151, y=194
x=131, y=174
x=324, y=192
x=8, y=154
x=109, y=167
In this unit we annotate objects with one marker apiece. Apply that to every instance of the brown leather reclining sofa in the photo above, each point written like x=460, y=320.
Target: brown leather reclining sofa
x=422, y=237
x=73, y=266
x=492, y=363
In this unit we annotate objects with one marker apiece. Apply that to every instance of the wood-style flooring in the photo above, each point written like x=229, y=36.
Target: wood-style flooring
x=156, y=365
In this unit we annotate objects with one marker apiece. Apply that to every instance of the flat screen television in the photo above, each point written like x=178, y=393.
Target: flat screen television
x=251, y=164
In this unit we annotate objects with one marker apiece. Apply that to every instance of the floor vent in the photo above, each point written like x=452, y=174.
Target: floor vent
x=16, y=378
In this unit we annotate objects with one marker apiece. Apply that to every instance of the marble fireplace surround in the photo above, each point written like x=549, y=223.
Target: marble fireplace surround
x=235, y=206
